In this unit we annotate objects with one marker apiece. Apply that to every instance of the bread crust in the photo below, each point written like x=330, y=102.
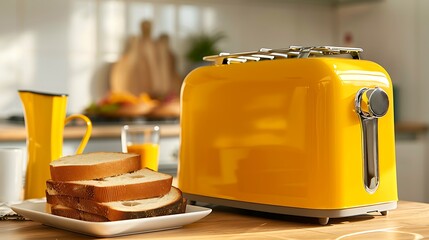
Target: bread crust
x=76, y=214
x=105, y=210
x=107, y=186
x=128, y=163
x=126, y=191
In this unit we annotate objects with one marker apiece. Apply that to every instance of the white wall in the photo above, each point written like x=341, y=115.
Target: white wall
x=394, y=34
x=66, y=46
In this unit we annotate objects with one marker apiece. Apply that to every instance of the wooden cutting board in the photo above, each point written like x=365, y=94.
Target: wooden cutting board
x=146, y=66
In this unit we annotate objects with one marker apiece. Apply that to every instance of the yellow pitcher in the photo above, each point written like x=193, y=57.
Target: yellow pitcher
x=45, y=118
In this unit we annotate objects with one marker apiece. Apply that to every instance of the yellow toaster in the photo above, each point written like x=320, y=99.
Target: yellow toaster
x=305, y=131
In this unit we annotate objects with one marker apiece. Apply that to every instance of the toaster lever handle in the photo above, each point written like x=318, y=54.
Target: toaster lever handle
x=371, y=104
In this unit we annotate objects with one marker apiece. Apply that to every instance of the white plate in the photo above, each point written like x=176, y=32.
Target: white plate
x=37, y=212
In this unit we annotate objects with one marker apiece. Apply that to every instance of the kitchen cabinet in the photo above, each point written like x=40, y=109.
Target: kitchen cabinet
x=411, y=158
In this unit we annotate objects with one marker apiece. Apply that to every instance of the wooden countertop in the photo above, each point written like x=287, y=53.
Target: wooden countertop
x=409, y=221
x=16, y=132
x=411, y=127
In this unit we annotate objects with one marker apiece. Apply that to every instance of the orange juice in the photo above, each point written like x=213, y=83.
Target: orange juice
x=149, y=154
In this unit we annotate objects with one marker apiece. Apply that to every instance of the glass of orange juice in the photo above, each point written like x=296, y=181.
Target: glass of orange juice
x=143, y=140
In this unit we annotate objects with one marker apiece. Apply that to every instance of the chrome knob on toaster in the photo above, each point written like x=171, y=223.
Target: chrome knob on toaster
x=371, y=104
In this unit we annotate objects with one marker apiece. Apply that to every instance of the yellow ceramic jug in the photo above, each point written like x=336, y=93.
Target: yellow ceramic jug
x=45, y=118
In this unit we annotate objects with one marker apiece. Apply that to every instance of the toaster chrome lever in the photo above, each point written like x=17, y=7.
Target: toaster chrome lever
x=371, y=104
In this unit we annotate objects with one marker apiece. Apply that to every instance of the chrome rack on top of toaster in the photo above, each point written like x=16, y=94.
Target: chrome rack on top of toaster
x=291, y=52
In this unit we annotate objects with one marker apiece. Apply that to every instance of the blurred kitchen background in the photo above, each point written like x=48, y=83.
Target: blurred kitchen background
x=70, y=46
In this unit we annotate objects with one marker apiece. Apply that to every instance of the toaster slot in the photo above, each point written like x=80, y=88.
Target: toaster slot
x=291, y=52
x=371, y=104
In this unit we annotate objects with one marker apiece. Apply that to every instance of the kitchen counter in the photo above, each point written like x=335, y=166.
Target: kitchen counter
x=409, y=221
x=16, y=132
x=104, y=137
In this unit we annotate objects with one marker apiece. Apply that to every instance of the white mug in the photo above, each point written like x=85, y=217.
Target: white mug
x=11, y=174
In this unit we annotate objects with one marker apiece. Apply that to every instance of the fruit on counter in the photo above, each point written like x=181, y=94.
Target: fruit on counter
x=125, y=98
x=169, y=108
x=128, y=98
x=124, y=104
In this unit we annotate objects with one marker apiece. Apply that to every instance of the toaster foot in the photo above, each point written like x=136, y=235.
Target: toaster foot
x=383, y=213
x=323, y=220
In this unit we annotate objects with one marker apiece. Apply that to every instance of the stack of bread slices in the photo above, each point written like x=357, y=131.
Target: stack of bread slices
x=108, y=186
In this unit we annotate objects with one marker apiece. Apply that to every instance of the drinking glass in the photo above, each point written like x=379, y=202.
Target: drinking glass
x=143, y=140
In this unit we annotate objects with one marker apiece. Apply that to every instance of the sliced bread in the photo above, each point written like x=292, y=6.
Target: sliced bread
x=67, y=212
x=171, y=203
x=144, y=183
x=93, y=165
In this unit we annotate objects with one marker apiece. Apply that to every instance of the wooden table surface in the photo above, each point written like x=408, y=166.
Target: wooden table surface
x=17, y=132
x=409, y=221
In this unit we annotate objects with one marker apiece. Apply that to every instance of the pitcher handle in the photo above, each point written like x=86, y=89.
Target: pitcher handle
x=88, y=131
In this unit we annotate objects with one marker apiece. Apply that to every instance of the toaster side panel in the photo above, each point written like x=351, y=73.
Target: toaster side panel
x=354, y=76
x=279, y=133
